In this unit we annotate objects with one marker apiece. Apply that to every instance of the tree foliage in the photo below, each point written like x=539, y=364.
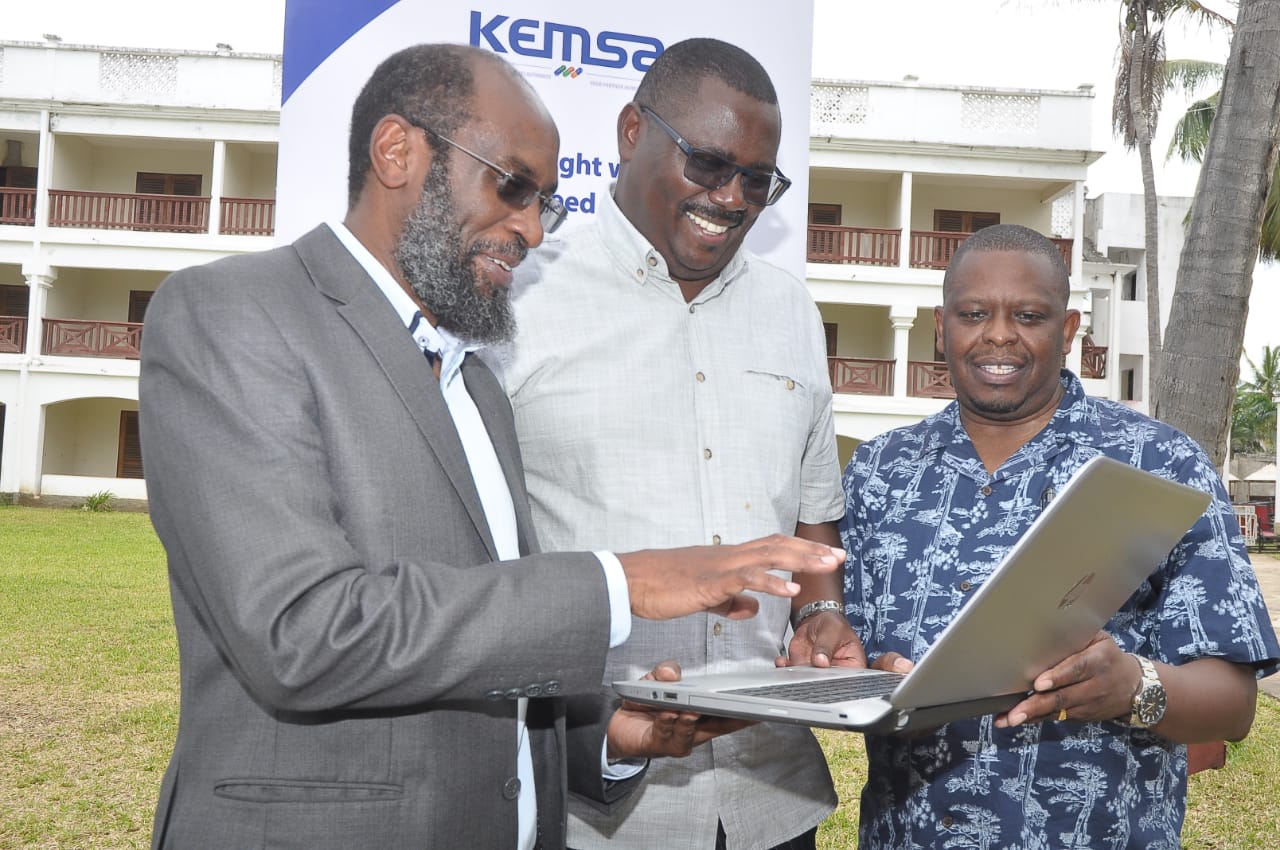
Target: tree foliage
x=1253, y=416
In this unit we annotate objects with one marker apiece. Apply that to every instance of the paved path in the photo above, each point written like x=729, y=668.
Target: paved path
x=1267, y=566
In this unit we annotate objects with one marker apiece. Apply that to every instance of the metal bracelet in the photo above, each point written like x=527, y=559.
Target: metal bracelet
x=810, y=608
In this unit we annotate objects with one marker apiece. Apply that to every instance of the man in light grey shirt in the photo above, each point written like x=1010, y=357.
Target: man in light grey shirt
x=671, y=389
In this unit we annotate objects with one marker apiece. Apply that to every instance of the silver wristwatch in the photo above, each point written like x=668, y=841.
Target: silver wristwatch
x=808, y=610
x=1149, y=702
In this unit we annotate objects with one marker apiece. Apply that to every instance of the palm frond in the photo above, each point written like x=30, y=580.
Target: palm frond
x=1191, y=133
x=1188, y=76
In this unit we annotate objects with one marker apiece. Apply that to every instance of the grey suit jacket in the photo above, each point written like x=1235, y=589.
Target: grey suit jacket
x=350, y=653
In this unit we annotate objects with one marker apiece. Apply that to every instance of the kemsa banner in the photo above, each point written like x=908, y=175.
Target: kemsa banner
x=584, y=59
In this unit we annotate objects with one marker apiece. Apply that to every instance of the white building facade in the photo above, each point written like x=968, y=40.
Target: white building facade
x=120, y=166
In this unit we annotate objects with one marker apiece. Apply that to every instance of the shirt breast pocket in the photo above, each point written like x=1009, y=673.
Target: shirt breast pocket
x=779, y=407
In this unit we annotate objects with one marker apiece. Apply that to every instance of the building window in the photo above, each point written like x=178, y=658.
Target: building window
x=15, y=300
x=1129, y=287
x=138, y=301
x=160, y=214
x=963, y=221
x=830, y=329
x=129, y=459
x=824, y=245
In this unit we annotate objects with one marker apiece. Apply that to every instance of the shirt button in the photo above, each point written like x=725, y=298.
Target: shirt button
x=715, y=630
x=701, y=377
x=640, y=273
x=511, y=789
x=964, y=585
x=986, y=491
x=515, y=693
x=551, y=688
x=690, y=308
x=791, y=385
x=493, y=696
x=706, y=453
x=653, y=262
x=947, y=822
x=715, y=539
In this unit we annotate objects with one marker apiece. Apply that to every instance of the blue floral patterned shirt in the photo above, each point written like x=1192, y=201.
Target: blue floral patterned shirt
x=917, y=524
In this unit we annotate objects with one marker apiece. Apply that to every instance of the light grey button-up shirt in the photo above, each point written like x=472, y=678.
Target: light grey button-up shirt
x=646, y=421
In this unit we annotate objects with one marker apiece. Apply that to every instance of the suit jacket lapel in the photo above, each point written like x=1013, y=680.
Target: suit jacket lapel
x=495, y=410
x=363, y=306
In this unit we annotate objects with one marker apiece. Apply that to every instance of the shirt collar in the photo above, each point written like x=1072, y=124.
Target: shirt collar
x=451, y=349
x=1075, y=421
x=641, y=261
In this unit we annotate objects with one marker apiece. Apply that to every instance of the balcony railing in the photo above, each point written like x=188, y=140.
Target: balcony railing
x=13, y=334
x=861, y=375
x=929, y=379
x=875, y=246
x=1093, y=361
x=871, y=246
x=17, y=206
x=159, y=213
x=248, y=216
x=79, y=338
x=116, y=211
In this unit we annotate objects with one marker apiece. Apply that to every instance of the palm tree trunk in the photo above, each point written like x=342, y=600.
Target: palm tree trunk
x=1139, y=116
x=1201, y=360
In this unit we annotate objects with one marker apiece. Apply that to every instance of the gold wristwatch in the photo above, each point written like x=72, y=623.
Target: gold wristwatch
x=1149, y=702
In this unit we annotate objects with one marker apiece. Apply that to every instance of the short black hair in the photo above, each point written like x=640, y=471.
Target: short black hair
x=428, y=84
x=676, y=73
x=1012, y=237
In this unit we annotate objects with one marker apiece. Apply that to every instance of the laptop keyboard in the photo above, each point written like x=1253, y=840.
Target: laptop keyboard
x=873, y=684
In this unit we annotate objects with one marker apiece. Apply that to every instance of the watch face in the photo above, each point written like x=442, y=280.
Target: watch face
x=1149, y=705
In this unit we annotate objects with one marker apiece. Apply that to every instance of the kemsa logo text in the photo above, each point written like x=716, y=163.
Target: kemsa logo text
x=528, y=37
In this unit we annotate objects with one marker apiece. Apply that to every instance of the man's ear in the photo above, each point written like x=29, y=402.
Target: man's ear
x=1069, y=328
x=628, y=130
x=392, y=151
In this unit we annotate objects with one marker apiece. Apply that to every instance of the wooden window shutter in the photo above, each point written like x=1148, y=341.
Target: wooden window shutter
x=129, y=459
x=152, y=183
x=981, y=220
x=963, y=221
x=948, y=221
x=189, y=185
x=138, y=301
x=825, y=214
x=15, y=300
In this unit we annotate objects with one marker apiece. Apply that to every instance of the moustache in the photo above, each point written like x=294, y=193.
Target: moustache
x=711, y=212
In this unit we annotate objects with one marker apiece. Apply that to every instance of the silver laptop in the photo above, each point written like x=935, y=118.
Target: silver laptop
x=1107, y=529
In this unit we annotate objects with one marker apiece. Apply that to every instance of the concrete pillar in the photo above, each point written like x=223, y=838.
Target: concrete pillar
x=218, y=178
x=902, y=317
x=904, y=221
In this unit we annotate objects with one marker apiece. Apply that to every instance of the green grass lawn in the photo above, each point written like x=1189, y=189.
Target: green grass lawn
x=89, y=700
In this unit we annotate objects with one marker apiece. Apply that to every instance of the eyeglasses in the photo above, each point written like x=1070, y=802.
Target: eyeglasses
x=711, y=171
x=514, y=190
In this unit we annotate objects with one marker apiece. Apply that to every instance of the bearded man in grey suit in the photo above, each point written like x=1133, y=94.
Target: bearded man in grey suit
x=372, y=653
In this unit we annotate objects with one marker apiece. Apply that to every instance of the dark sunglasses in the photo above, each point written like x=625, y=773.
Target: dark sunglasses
x=711, y=171
x=514, y=190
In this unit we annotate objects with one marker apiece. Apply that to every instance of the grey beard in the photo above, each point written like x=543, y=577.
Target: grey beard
x=442, y=272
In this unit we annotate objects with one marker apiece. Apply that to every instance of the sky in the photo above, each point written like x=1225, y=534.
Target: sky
x=1050, y=44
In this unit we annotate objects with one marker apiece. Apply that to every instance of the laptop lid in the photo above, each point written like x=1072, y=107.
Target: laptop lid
x=1106, y=530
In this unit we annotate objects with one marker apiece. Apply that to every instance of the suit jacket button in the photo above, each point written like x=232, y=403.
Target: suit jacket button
x=534, y=690
x=511, y=789
x=551, y=688
x=493, y=696
x=515, y=693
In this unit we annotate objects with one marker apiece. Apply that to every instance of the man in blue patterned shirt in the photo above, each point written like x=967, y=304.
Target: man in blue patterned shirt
x=1096, y=757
